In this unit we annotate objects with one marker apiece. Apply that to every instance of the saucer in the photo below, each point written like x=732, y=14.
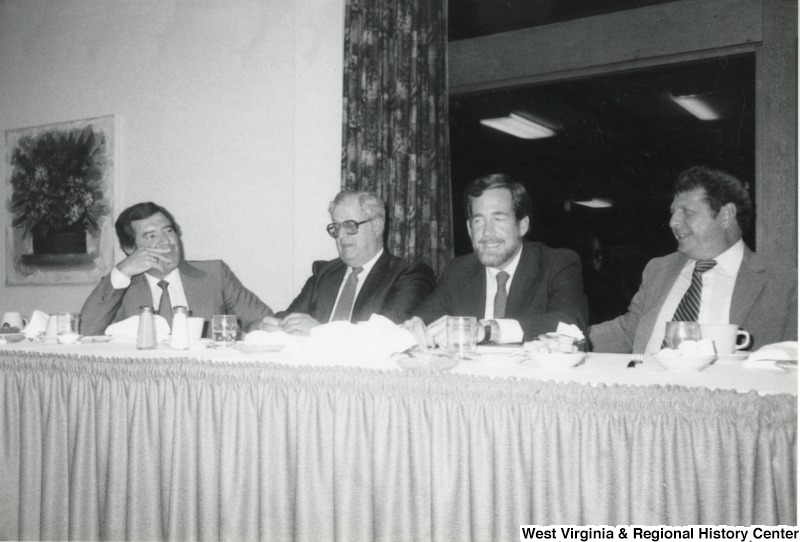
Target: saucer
x=684, y=363
x=11, y=337
x=731, y=358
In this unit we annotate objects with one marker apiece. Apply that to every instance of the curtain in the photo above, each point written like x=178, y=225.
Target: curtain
x=395, y=131
x=120, y=448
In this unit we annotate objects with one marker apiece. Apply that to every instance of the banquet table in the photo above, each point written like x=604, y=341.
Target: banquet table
x=101, y=441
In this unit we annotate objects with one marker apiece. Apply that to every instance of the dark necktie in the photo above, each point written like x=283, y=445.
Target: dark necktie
x=165, y=305
x=345, y=305
x=501, y=297
x=689, y=307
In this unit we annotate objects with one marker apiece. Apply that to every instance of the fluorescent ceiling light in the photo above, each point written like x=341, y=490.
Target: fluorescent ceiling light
x=519, y=126
x=697, y=105
x=595, y=203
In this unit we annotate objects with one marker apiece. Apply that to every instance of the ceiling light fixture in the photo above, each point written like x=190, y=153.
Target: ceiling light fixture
x=697, y=105
x=519, y=126
x=596, y=203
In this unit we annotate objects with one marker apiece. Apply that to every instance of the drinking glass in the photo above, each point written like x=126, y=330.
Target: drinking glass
x=462, y=335
x=677, y=332
x=223, y=330
x=69, y=327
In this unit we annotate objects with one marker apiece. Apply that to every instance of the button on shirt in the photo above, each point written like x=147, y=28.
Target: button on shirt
x=510, y=330
x=175, y=289
x=715, y=300
x=362, y=277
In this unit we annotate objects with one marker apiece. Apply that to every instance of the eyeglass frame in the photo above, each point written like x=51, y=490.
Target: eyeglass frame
x=335, y=228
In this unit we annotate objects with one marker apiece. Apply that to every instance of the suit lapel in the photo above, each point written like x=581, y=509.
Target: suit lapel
x=196, y=297
x=664, y=280
x=749, y=283
x=373, y=281
x=328, y=289
x=472, y=301
x=524, y=283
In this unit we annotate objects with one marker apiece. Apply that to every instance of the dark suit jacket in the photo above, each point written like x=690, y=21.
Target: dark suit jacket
x=392, y=289
x=547, y=289
x=764, y=303
x=210, y=287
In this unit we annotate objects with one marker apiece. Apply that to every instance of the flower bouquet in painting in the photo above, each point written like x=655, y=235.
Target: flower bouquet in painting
x=60, y=202
x=57, y=184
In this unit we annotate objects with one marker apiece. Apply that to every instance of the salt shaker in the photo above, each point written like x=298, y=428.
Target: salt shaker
x=146, y=338
x=180, y=328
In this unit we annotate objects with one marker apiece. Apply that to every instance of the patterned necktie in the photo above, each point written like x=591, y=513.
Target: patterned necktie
x=689, y=307
x=165, y=305
x=345, y=305
x=501, y=297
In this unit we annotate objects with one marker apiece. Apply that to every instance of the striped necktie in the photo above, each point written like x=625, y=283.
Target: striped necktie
x=689, y=307
x=345, y=305
x=165, y=305
x=501, y=297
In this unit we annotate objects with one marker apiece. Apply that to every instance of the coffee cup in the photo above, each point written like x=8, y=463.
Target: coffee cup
x=195, y=325
x=14, y=319
x=727, y=337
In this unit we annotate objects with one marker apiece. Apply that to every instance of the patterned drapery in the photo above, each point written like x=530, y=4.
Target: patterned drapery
x=395, y=131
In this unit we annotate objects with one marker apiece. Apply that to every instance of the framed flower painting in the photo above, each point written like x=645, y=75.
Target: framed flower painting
x=59, y=202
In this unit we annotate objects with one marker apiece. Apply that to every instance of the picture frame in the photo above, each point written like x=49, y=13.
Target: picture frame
x=60, y=184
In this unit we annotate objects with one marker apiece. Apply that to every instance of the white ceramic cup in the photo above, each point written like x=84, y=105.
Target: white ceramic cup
x=195, y=324
x=14, y=319
x=52, y=326
x=726, y=337
x=462, y=335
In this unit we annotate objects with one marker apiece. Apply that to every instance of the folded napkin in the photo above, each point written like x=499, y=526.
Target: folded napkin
x=128, y=329
x=570, y=330
x=344, y=343
x=37, y=325
x=767, y=356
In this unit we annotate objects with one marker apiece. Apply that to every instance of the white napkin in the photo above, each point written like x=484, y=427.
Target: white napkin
x=570, y=330
x=766, y=356
x=128, y=329
x=37, y=325
x=343, y=343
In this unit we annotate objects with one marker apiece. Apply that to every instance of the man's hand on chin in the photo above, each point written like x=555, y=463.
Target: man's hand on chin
x=144, y=259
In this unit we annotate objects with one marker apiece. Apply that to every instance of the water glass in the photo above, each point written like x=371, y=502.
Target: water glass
x=69, y=327
x=223, y=330
x=677, y=332
x=462, y=335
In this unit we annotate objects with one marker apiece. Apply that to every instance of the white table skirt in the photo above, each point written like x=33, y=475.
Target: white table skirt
x=99, y=441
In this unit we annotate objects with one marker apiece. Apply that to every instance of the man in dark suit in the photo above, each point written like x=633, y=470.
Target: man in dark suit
x=517, y=289
x=710, y=212
x=155, y=274
x=363, y=281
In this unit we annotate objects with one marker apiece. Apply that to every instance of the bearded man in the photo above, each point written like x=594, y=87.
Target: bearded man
x=517, y=289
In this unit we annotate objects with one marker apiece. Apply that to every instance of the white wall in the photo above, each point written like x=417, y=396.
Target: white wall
x=229, y=115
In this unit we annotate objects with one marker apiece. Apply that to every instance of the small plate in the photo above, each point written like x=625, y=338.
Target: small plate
x=10, y=338
x=684, y=363
x=556, y=360
x=96, y=339
x=731, y=358
x=427, y=362
x=257, y=348
x=47, y=339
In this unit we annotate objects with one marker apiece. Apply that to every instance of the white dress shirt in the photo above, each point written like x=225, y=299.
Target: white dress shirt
x=715, y=300
x=365, y=269
x=510, y=330
x=176, y=294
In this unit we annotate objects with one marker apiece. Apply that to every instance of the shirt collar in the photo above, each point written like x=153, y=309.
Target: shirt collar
x=174, y=277
x=367, y=267
x=729, y=261
x=510, y=269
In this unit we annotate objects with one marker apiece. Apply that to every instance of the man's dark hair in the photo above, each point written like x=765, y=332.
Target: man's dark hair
x=721, y=188
x=125, y=232
x=519, y=196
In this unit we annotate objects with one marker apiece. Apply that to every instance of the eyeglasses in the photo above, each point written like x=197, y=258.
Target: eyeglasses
x=350, y=227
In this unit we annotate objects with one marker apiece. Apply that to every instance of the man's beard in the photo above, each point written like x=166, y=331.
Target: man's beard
x=496, y=258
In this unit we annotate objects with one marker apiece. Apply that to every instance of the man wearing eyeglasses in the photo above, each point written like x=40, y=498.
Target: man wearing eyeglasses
x=363, y=281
